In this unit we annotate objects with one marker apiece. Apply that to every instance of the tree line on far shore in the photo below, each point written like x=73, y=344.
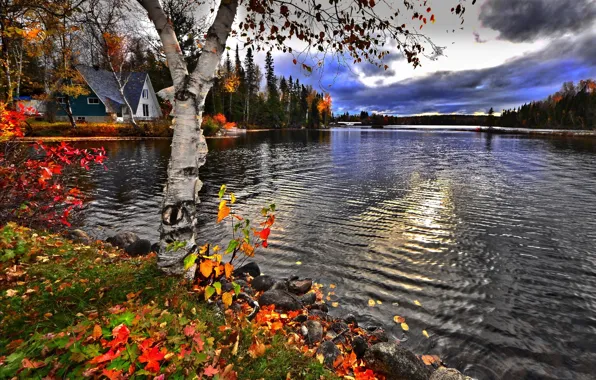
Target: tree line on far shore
x=572, y=107
x=284, y=103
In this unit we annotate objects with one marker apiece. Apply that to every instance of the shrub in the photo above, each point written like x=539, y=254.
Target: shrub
x=33, y=178
x=210, y=126
x=213, y=124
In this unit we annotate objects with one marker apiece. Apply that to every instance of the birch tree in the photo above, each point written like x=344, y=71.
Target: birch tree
x=346, y=30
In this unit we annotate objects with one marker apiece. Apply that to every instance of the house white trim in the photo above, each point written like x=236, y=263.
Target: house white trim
x=148, y=108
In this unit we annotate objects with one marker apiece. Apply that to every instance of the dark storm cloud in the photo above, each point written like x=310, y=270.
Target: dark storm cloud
x=530, y=77
x=527, y=20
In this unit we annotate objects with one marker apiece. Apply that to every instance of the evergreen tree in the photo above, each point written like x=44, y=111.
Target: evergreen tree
x=274, y=110
x=251, y=86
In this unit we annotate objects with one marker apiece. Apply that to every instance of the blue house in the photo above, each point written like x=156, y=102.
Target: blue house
x=104, y=102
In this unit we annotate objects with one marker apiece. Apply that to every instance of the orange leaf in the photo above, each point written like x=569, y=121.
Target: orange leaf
x=206, y=267
x=112, y=374
x=97, y=332
x=430, y=359
x=248, y=249
x=26, y=363
x=398, y=319
x=229, y=268
x=222, y=213
x=226, y=298
x=256, y=349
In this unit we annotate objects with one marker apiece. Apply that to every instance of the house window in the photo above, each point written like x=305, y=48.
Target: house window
x=80, y=118
x=92, y=101
x=145, y=94
x=61, y=100
x=145, y=110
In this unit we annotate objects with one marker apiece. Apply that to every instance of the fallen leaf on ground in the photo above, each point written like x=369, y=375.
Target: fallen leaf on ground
x=405, y=326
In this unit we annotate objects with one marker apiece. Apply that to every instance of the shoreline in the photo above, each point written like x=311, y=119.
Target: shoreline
x=430, y=128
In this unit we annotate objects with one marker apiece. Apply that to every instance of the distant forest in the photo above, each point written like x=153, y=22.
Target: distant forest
x=377, y=119
x=573, y=107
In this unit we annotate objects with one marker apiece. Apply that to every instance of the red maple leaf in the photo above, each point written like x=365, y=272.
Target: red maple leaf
x=108, y=356
x=120, y=336
x=197, y=339
x=189, y=330
x=152, y=358
x=264, y=234
x=112, y=374
x=210, y=371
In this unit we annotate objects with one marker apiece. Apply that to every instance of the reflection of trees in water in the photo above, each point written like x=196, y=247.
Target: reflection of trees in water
x=576, y=144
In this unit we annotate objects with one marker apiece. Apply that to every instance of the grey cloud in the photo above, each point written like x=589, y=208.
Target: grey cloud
x=529, y=77
x=527, y=20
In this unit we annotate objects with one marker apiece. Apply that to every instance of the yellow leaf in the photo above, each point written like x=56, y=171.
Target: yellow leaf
x=371, y=303
x=417, y=303
x=226, y=298
x=232, y=198
x=405, y=326
x=398, y=319
x=222, y=204
x=332, y=286
x=206, y=267
x=379, y=302
x=298, y=262
x=425, y=333
x=11, y=293
x=320, y=358
x=335, y=304
x=235, y=349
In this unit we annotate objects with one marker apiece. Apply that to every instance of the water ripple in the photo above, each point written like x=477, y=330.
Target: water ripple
x=493, y=235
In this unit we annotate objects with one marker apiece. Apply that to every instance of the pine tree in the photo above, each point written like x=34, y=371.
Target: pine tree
x=250, y=83
x=274, y=111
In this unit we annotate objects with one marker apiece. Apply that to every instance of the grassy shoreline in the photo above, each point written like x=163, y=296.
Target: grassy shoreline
x=54, y=291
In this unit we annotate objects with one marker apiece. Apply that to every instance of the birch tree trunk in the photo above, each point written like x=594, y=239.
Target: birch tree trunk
x=189, y=148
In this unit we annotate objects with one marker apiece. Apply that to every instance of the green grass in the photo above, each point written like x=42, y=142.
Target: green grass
x=49, y=284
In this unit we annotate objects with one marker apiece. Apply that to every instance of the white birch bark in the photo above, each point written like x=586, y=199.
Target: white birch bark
x=189, y=148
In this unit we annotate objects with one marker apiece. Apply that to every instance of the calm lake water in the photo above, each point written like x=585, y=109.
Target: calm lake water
x=495, y=236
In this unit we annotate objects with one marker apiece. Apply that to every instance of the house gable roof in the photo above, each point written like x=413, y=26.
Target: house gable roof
x=104, y=85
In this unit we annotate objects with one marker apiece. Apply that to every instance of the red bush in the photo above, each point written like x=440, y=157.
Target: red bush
x=33, y=179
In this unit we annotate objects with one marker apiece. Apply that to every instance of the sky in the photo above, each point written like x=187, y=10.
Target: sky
x=509, y=52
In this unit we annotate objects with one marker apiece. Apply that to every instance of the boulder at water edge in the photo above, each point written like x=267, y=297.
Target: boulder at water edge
x=448, y=374
x=300, y=286
x=312, y=331
x=329, y=351
x=139, y=248
x=282, y=300
x=395, y=362
x=262, y=283
x=251, y=269
x=123, y=239
x=79, y=236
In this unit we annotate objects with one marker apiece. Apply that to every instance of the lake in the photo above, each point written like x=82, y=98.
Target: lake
x=494, y=235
